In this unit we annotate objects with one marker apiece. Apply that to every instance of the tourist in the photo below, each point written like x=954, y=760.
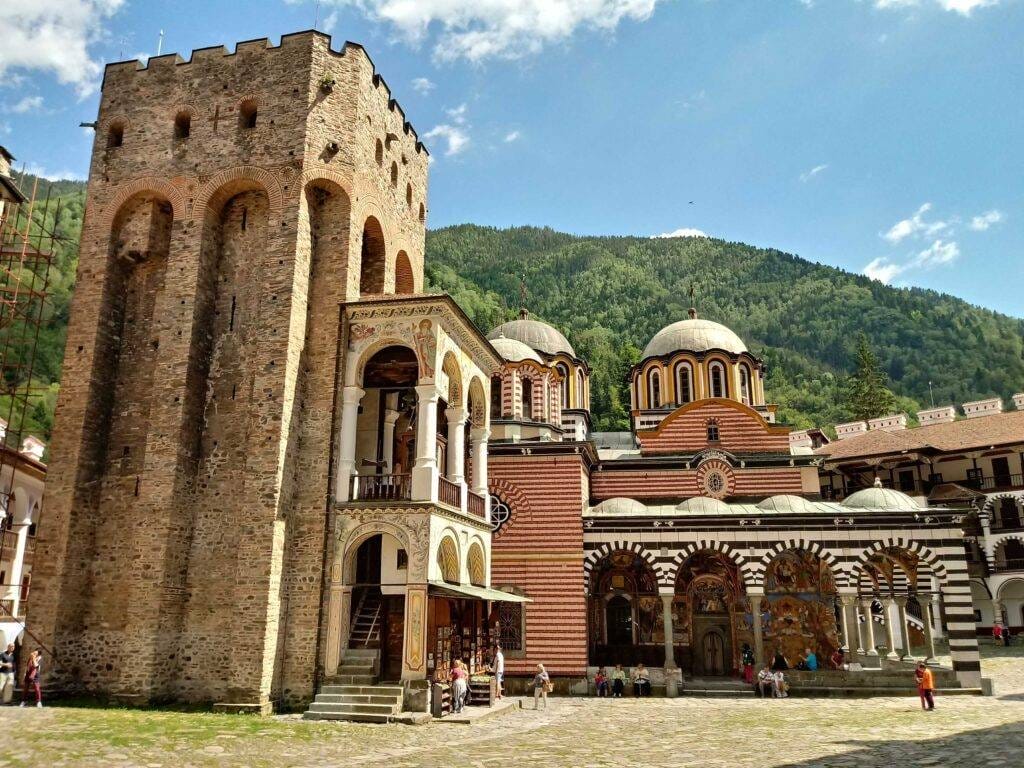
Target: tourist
x=997, y=633
x=541, y=685
x=779, y=663
x=7, y=672
x=780, y=684
x=747, y=658
x=460, y=685
x=32, y=672
x=765, y=682
x=618, y=681
x=1007, y=637
x=809, y=662
x=925, y=686
x=601, y=683
x=641, y=681
x=837, y=659
x=499, y=670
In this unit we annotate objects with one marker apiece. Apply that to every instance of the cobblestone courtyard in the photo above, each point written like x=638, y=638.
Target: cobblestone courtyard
x=964, y=731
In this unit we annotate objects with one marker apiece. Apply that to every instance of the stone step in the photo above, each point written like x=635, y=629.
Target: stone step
x=358, y=698
x=361, y=653
x=357, y=717
x=342, y=689
x=717, y=693
x=352, y=709
x=356, y=669
x=355, y=679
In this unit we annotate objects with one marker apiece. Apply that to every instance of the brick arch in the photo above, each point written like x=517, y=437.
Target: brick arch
x=220, y=187
x=924, y=554
x=747, y=569
x=813, y=547
x=313, y=175
x=516, y=500
x=990, y=502
x=1000, y=539
x=152, y=184
x=604, y=550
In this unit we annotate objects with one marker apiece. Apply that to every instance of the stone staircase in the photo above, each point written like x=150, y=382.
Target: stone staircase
x=715, y=687
x=354, y=694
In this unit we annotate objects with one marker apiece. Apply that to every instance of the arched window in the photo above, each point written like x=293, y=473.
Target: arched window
x=581, y=401
x=408, y=195
x=379, y=152
x=563, y=385
x=423, y=213
x=496, y=397
x=745, y=385
x=394, y=174
x=115, y=135
x=182, y=125
x=526, y=397
x=372, y=262
x=684, y=383
x=716, y=373
x=653, y=389
x=247, y=114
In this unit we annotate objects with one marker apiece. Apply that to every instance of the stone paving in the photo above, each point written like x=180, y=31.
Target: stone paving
x=962, y=731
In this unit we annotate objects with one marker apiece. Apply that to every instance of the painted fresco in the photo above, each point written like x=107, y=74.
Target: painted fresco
x=800, y=610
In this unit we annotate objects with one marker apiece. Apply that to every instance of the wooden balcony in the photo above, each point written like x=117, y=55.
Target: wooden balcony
x=449, y=493
x=382, y=488
x=476, y=505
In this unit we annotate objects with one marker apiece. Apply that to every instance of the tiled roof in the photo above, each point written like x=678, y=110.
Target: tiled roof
x=963, y=435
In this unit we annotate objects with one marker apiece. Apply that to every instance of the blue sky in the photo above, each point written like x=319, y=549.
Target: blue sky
x=880, y=136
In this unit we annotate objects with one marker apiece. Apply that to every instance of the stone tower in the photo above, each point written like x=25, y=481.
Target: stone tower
x=235, y=202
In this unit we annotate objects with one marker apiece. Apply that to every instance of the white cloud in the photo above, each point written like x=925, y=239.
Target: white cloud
x=939, y=252
x=55, y=36
x=27, y=104
x=63, y=175
x=962, y=7
x=883, y=270
x=808, y=175
x=455, y=135
x=481, y=29
x=986, y=220
x=512, y=136
x=458, y=114
x=422, y=85
x=330, y=22
x=916, y=226
x=682, y=232
x=5, y=128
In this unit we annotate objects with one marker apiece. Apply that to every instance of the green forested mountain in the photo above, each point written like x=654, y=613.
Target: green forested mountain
x=609, y=295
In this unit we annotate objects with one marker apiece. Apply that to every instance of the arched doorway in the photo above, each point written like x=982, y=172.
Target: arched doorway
x=709, y=612
x=625, y=624
x=377, y=620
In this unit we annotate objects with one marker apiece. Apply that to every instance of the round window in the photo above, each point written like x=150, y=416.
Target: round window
x=500, y=513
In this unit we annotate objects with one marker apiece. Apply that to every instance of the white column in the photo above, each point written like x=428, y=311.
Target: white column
x=936, y=611
x=890, y=610
x=424, y=473
x=926, y=618
x=849, y=603
x=478, y=437
x=904, y=627
x=869, y=627
x=350, y=398
x=456, y=444
x=391, y=415
x=755, y=615
x=671, y=684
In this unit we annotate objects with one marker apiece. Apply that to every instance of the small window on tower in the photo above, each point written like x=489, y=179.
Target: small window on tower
x=408, y=194
x=379, y=153
x=182, y=125
x=247, y=114
x=115, y=136
x=394, y=174
x=423, y=212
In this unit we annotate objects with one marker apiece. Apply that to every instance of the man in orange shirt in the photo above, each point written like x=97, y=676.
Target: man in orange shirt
x=925, y=686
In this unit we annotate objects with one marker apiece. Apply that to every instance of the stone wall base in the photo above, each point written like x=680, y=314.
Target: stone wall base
x=245, y=707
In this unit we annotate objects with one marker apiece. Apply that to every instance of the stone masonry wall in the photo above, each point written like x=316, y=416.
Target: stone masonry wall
x=182, y=551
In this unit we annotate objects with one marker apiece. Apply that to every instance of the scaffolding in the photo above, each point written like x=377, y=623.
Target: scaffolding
x=28, y=238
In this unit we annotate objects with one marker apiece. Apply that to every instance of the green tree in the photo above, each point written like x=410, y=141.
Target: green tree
x=867, y=391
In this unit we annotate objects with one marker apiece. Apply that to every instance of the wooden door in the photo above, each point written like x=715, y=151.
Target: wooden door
x=394, y=638
x=713, y=653
x=1001, y=471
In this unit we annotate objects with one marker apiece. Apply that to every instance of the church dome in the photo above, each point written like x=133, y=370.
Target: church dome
x=703, y=505
x=693, y=335
x=535, y=334
x=880, y=498
x=514, y=351
x=786, y=503
x=620, y=506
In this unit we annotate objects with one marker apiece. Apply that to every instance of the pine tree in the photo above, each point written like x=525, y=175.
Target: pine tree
x=867, y=391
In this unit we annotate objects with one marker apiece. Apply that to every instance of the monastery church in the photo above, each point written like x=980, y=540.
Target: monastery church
x=278, y=464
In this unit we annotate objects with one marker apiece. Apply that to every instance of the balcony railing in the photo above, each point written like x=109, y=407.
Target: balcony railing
x=449, y=493
x=1010, y=564
x=383, y=488
x=476, y=505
